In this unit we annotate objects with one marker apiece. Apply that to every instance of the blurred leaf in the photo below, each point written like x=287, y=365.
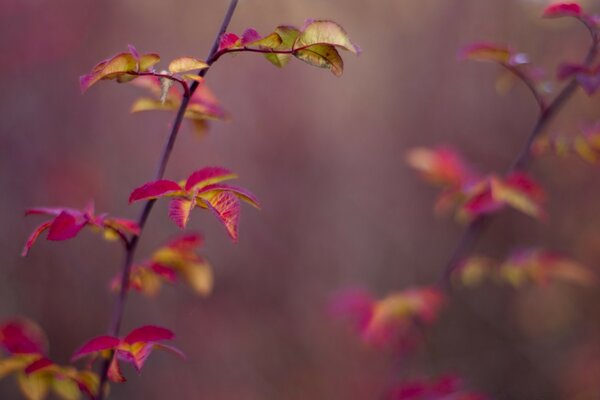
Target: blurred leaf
x=186, y=64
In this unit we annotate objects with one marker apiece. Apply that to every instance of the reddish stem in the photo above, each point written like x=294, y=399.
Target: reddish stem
x=119, y=308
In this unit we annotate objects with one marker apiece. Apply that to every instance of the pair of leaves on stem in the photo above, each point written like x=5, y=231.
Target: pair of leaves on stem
x=135, y=348
x=37, y=376
x=586, y=144
x=178, y=259
x=316, y=43
x=392, y=320
x=203, y=188
x=68, y=222
x=447, y=387
x=523, y=267
x=469, y=193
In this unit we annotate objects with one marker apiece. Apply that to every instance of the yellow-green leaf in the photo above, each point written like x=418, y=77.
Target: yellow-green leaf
x=34, y=386
x=117, y=66
x=325, y=32
x=199, y=276
x=66, y=389
x=185, y=64
x=323, y=56
x=147, y=61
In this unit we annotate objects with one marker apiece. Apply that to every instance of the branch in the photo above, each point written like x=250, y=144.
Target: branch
x=119, y=308
x=478, y=225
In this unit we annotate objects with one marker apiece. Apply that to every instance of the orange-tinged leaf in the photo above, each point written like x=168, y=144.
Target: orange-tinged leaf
x=322, y=56
x=35, y=386
x=114, y=371
x=199, y=277
x=179, y=211
x=226, y=207
x=119, y=65
x=487, y=52
x=186, y=64
x=324, y=32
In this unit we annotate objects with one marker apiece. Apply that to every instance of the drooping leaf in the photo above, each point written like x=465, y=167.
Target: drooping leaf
x=116, y=66
x=322, y=56
x=35, y=386
x=33, y=237
x=179, y=211
x=186, y=64
x=65, y=226
x=207, y=192
x=114, y=371
x=226, y=208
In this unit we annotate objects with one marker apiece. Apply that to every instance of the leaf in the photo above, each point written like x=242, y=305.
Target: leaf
x=179, y=211
x=38, y=365
x=323, y=32
x=114, y=371
x=269, y=42
x=322, y=56
x=226, y=207
x=208, y=176
x=185, y=64
x=65, y=226
x=33, y=237
x=486, y=52
x=199, y=277
x=149, y=333
x=208, y=191
x=288, y=35
x=562, y=10
x=152, y=190
x=148, y=104
x=442, y=166
x=228, y=41
x=23, y=336
x=35, y=386
x=66, y=389
x=112, y=68
x=95, y=345
x=520, y=192
x=15, y=363
x=147, y=61
x=250, y=35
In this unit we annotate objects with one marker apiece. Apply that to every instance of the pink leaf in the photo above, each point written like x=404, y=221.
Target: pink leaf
x=31, y=240
x=562, y=10
x=226, y=207
x=164, y=271
x=207, y=176
x=96, y=344
x=148, y=333
x=228, y=40
x=154, y=189
x=179, y=211
x=22, y=336
x=249, y=35
x=189, y=241
x=37, y=365
x=64, y=227
x=52, y=211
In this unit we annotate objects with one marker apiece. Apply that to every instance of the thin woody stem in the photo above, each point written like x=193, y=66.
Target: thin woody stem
x=119, y=308
x=547, y=113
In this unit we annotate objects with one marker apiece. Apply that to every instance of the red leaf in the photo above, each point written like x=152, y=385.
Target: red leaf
x=148, y=333
x=179, y=211
x=186, y=242
x=52, y=211
x=123, y=225
x=207, y=176
x=114, y=371
x=64, y=227
x=226, y=207
x=37, y=365
x=95, y=345
x=22, y=336
x=164, y=271
x=228, y=40
x=240, y=192
x=31, y=240
x=154, y=189
x=562, y=10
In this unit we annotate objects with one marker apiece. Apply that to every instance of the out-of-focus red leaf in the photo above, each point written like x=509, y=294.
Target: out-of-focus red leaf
x=149, y=333
x=562, y=10
x=38, y=365
x=114, y=371
x=33, y=237
x=96, y=344
x=154, y=189
x=65, y=226
x=23, y=336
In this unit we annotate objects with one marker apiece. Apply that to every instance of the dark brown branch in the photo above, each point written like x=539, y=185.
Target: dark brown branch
x=119, y=308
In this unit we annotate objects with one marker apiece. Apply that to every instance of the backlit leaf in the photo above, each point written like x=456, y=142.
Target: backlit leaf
x=152, y=190
x=185, y=64
x=226, y=207
x=208, y=176
x=179, y=211
x=324, y=33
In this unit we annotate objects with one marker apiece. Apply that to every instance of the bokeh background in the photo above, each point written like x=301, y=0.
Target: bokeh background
x=326, y=156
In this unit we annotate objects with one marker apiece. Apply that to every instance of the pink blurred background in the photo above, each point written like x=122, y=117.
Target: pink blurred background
x=326, y=156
